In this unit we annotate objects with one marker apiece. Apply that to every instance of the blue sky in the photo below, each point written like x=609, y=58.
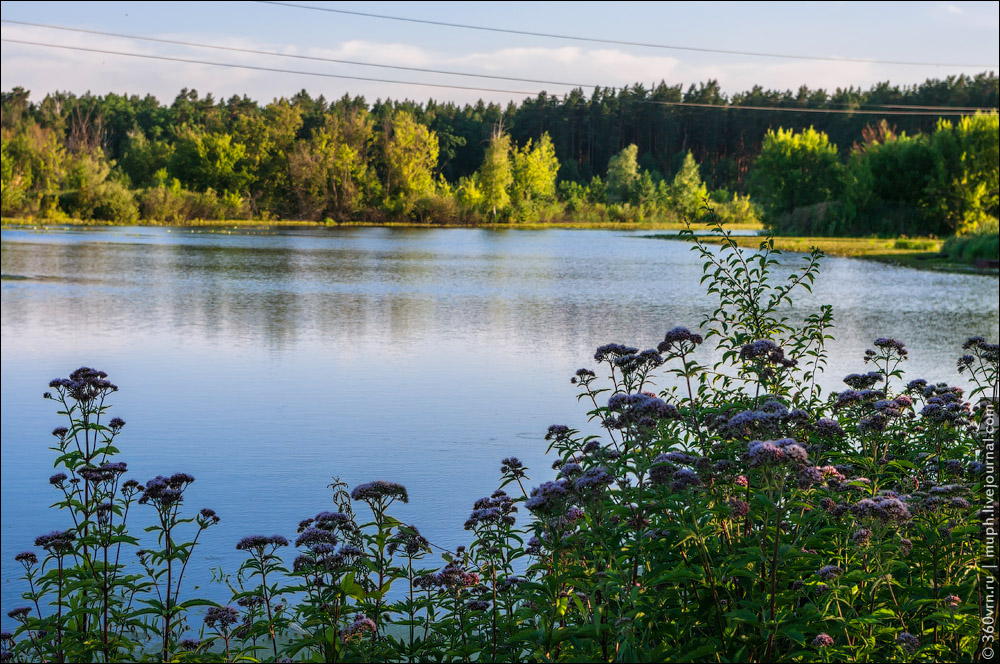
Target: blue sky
x=935, y=32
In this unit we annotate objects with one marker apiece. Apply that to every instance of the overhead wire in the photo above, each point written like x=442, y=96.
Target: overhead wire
x=526, y=93
x=279, y=54
x=600, y=40
x=955, y=110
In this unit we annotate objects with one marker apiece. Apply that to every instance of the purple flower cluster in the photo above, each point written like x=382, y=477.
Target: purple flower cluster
x=379, y=491
x=163, y=492
x=856, y=397
x=822, y=641
x=410, y=542
x=27, y=558
x=640, y=409
x=221, y=617
x=864, y=381
x=360, y=626
x=738, y=508
x=829, y=572
x=498, y=509
x=84, y=385
x=558, y=432
x=59, y=542
x=765, y=350
x=548, y=497
x=642, y=362
x=766, y=419
x=106, y=472
x=679, y=341
x=828, y=428
x=257, y=543
x=908, y=642
x=611, y=352
x=513, y=467
x=583, y=376
x=889, y=347
x=775, y=452
x=592, y=479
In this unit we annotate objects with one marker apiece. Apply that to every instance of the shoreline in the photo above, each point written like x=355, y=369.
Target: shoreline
x=916, y=253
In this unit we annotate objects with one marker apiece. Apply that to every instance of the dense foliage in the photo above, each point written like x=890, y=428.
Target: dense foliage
x=619, y=155
x=738, y=514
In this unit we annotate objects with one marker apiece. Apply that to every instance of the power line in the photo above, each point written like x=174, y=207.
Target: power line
x=417, y=69
x=260, y=68
x=614, y=41
x=728, y=107
x=298, y=57
x=462, y=87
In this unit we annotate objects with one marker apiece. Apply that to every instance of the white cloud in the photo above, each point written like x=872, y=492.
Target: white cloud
x=45, y=70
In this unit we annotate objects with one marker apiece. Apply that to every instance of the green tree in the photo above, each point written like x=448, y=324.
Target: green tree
x=686, y=192
x=534, y=177
x=623, y=172
x=795, y=170
x=496, y=175
x=410, y=152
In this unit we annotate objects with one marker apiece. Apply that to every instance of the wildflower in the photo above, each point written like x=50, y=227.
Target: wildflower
x=612, y=351
x=379, y=490
x=260, y=542
x=58, y=542
x=478, y=605
x=639, y=409
x=738, y=508
x=829, y=572
x=861, y=536
x=786, y=450
x=209, y=516
x=582, y=376
x=20, y=613
x=740, y=480
x=57, y=479
x=684, y=479
x=827, y=427
x=679, y=341
x=891, y=346
x=864, y=381
x=593, y=478
x=905, y=546
x=547, y=497
x=557, y=432
x=27, y=558
x=908, y=642
x=314, y=536
x=116, y=424
x=822, y=641
x=60, y=432
x=497, y=509
x=411, y=542
x=221, y=617
x=512, y=466
x=190, y=644
x=360, y=626
x=639, y=362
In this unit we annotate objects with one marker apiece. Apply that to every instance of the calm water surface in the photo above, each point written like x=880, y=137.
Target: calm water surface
x=265, y=363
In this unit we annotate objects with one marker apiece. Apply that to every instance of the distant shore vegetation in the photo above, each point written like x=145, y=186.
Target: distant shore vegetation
x=617, y=157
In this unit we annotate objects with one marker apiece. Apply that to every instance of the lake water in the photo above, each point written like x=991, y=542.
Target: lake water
x=266, y=362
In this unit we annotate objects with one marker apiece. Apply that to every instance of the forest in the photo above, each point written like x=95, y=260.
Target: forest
x=632, y=155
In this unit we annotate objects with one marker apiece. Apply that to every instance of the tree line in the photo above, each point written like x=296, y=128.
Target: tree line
x=617, y=155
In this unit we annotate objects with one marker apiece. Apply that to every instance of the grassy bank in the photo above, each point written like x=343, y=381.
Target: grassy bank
x=920, y=253
x=31, y=222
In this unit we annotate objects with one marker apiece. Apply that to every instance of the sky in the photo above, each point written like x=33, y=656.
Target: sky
x=938, y=34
